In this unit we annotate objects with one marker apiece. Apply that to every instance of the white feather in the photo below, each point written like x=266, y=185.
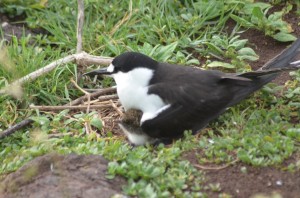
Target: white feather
x=151, y=115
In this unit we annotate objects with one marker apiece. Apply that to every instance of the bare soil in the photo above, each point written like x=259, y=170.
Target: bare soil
x=242, y=180
x=84, y=176
x=11, y=28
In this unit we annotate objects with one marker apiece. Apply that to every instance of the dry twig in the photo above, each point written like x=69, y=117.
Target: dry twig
x=60, y=108
x=80, y=20
x=83, y=58
x=88, y=95
x=108, y=97
x=86, y=59
x=216, y=168
x=14, y=128
x=116, y=108
x=103, y=99
x=93, y=95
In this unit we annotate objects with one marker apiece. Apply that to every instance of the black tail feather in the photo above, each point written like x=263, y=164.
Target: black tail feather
x=260, y=73
x=282, y=62
x=284, y=58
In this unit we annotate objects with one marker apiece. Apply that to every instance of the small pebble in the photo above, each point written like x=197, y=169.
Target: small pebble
x=51, y=167
x=4, y=24
x=243, y=169
x=279, y=183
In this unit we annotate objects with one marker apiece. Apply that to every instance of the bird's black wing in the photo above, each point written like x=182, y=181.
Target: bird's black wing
x=193, y=105
x=201, y=96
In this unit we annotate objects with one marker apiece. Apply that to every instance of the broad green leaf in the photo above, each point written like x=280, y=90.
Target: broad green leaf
x=214, y=48
x=248, y=9
x=293, y=132
x=193, y=62
x=241, y=21
x=146, y=49
x=247, y=53
x=163, y=53
x=239, y=44
x=96, y=122
x=42, y=120
x=220, y=64
x=284, y=37
x=244, y=156
x=257, y=12
x=187, y=16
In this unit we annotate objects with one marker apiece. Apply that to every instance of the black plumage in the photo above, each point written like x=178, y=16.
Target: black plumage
x=197, y=96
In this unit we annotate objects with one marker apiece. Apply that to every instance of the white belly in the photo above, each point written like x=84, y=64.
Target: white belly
x=138, y=98
x=132, y=89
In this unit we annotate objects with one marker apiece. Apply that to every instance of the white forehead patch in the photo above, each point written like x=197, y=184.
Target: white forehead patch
x=111, y=68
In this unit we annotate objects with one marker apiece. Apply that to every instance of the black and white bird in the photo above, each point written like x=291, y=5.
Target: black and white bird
x=176, y=98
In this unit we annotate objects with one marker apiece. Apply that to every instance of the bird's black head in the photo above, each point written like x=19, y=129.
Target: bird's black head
x=131, y=60
x=125, y=63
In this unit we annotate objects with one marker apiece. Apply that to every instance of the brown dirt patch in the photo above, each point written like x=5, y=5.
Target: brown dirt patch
x=255, y=180
x=54, y=175
x=10, y=28
x=242, y=180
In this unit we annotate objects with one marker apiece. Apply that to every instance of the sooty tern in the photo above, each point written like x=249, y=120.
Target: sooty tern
x=175, y=98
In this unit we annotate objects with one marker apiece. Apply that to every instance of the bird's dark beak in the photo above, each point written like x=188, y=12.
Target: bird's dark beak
x=102, y=71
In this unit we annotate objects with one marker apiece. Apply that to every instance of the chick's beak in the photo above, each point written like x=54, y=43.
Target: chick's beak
x=102, y=71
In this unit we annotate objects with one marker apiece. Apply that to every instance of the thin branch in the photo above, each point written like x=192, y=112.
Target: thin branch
x=86, y=59
x=88, y=95
x=83, y=58
x=60, y=108
x=108, y=97
x=103, y=99
x=87, y=128
x=80, y=21
x=93, y=95
x=116, y=108
x=41, y=71
x=14, y=128
x=216, y=168
x=78, y=87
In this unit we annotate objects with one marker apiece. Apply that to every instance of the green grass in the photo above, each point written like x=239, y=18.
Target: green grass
x=259, y=131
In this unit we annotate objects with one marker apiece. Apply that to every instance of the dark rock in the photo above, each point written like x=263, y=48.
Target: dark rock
x=54, y=175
